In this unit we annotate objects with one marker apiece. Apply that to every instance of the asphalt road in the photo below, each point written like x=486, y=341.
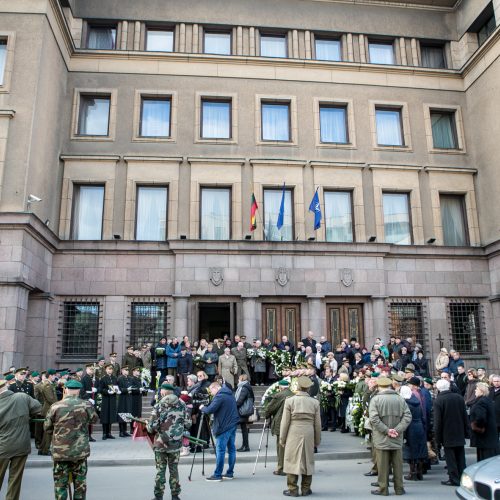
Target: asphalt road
x=342, y=479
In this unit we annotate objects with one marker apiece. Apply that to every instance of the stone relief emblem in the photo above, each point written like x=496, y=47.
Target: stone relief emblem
x=346, y=276
x=216, y=276
x=282, y=276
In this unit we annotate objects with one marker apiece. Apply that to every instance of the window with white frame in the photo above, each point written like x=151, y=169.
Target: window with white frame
x=389, y=126
x=215, y=217
x=381, y=52
x=151, y=213
x=155, y=116
x=275, y=118
x=338, y=216
x=272, y=204
x=444, y=129
x=273, y=46
x=216, y=118
x=88, y=207
x=328, y=49
x=397, y=222
x=101, y=37
x=159, y=40
x=333, y=123
x=3, y=59
x=93, y=116
x=454, y=219
x=217, y=42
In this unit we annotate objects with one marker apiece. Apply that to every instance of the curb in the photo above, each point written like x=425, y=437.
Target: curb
x=209, y=459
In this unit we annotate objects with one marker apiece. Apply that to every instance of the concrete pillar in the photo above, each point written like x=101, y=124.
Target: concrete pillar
x=402, y=47
x=362, y=51
x=123, y=42
x=252, y=37
x=379, y=321
x=414, y=52
x=137, y=35
x=239, y=40
x=36, y=345
x=307, y=36
x=316, y=316
x=295, y=44
x=181, y=315
x=195, y=47
x=350, y=48
x=13, y=313
x=182, y=38
x=250, y=317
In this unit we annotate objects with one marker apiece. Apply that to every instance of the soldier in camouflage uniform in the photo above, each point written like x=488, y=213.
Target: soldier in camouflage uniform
x=168, y=422
x=68, y=422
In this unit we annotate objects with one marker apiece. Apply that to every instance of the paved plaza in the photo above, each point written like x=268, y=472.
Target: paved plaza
x=124, y=470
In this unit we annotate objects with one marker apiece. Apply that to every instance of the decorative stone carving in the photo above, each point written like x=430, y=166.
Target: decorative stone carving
x=282, y=276
x=216, y=276
x=346, y=277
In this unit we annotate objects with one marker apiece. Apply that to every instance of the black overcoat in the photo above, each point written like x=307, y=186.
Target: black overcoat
x=108, y=406
x=451, y=424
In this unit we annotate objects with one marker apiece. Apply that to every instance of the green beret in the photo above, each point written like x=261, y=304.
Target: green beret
x=100, y=358
x=9, y=377
x=63, y=373
x=73, y=384
x=428, y=380
x=51, y=371
x=168, y=387
x=481, y=368
x=284, y=382
x=35, y=374
x=19, y=370
x=79, y=370
x=374, y=374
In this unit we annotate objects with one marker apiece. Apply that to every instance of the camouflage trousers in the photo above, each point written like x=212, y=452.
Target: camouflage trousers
x=78, y=472
x=162, y=460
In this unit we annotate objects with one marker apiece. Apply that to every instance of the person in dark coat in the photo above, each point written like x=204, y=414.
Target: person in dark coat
x=483, y=424
x=199, y=396
x=461, y=380
x=124, y=399
x=244, y=402
x=495, y=397
x=135, y=394
x=89, y=390
x=415, y=446
x=184, y=367
x=345, y=394
x=161, y=359
x=108, y=388
x=421, y=365
x=211, y=359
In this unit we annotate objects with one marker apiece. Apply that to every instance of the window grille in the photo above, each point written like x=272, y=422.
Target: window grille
x=407, y=319
x=149, y=321
x=466, y=327
x=81, y=324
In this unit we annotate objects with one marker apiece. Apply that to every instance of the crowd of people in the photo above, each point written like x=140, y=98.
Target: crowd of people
x=410, y=409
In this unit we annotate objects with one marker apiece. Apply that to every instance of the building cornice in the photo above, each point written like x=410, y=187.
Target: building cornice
x=216, y=161
x=154, y=159
x=454, y=170
x=334, y=164
x=277, y=162
x=390, y=166
x=92, y=158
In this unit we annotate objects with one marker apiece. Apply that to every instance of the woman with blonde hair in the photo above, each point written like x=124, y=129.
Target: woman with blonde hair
x=483, y=424
x=442, y=360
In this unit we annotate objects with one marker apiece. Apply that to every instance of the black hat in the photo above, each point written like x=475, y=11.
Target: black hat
x=414, y=381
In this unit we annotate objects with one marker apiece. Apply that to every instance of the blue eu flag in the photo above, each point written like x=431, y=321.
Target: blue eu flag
x=281, y=215
x=315, y=207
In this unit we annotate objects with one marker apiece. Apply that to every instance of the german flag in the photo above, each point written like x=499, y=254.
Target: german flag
x=253, y=210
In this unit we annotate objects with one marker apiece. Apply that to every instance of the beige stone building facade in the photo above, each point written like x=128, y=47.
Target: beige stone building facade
x=133, y=135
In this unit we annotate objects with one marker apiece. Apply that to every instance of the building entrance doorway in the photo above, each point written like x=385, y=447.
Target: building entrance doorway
x=279, y=320
x=214, y=320
x=345, y=321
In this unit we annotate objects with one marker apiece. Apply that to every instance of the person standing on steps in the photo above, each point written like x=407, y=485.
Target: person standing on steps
x=108, y=388
x=245, y=403
x=300, y=433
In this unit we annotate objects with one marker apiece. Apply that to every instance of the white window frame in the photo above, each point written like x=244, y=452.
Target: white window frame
x=459, y=127
x=10, y=37
x=351, y=128
x=226, y=96
x=292, y=102
x=405, y=121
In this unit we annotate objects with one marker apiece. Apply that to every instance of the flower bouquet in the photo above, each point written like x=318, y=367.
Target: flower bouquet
x=199, y=362
x=325, y=394
x=250, y=353
x=145, y=377
x=160, y=351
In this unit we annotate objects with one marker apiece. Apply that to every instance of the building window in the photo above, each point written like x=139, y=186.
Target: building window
x=80, y=330
x=215, y=119
x=338, y=216
x=397, y=224
x=486, y=30
x=3, y=58
x=328, y=49
x=155, y=117
x=273, y=46
x=148, y=322
x=158, y=40
x=88, y=206
x=432, y=56
x=454, y=220
x=272, y=203
x=389, y=127
x=101, y=37
x=215, y=220
x=275, y=121
x=444, y=129
x=151, y=217
x=94, y=115
x=381, y=52
x=465, y=327
x=406, y=319
x=217, y=43
x=333, y=124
